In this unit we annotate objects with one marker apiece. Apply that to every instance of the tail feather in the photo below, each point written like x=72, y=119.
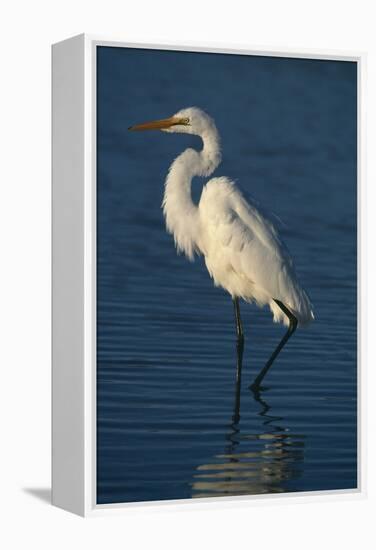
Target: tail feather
x=301, y=309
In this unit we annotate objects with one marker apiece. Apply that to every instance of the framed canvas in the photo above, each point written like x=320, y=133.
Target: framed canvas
x=199, y=194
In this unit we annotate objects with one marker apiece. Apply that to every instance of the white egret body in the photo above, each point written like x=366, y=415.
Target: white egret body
x=243, y=251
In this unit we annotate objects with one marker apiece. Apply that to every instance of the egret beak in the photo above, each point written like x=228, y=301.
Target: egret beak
x=160, y=124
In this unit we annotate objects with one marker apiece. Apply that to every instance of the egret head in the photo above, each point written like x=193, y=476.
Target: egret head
x=187, y=121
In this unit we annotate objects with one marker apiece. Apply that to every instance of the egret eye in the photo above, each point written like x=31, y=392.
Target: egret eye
x=186, y=121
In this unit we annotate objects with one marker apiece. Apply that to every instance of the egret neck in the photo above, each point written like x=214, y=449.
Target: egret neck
x=181, y=213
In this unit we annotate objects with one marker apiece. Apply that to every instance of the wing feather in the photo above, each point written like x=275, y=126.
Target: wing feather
x=238, y=235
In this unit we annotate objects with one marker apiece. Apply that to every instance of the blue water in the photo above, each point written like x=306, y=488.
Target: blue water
x=166, y=337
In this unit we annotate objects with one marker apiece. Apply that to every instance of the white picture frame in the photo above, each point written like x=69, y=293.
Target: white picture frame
x=74, y=275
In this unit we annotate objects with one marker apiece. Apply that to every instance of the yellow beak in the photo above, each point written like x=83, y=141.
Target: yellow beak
x=160, y=124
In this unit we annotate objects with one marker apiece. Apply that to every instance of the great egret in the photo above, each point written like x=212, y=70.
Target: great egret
x=243, y=251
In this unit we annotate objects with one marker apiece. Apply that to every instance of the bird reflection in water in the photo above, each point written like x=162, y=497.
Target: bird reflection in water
x=252, y=463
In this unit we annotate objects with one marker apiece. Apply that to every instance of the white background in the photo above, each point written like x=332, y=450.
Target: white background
x=27, y=30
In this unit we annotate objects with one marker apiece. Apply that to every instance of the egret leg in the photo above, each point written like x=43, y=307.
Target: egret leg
x=239, y=362
x=293, y=323
x=239, y=325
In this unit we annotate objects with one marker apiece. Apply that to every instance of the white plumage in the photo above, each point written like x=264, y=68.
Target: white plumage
x=243, y=251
